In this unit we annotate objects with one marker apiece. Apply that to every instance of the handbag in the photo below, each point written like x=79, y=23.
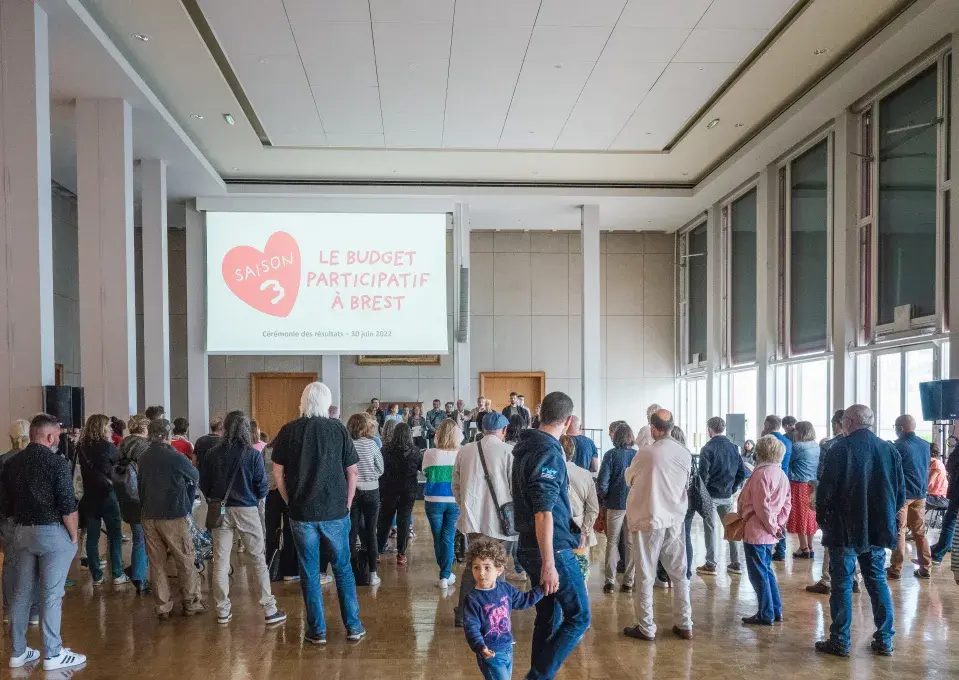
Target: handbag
x=505, y=512
x=735, y=527
x=216, y=507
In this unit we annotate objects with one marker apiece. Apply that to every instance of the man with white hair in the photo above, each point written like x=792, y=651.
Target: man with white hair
x=859, y=496
x=658, y=478
x=315, y=469
x=645, y=436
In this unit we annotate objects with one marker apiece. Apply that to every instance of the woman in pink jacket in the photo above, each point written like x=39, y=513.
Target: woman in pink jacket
x=764, y=505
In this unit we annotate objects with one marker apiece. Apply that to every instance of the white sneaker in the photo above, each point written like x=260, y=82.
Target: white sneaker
x=325, y=579
x=444, y=583
x=34, y=620
x=121, y=580
x=67, y=658
x=29, y=656
x=451, y=580
x=660, y=584
x=375, y=579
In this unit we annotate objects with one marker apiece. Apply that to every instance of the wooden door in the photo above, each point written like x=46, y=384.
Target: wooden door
x=275, y=398
x=497, y=386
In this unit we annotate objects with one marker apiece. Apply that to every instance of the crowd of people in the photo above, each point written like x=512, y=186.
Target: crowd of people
x=513, y=494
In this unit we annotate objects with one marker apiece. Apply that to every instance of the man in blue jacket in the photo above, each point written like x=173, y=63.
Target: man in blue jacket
x=773, y=425
x=723, y=471
x=915, y=469
x=859, y=496
x=547, y=538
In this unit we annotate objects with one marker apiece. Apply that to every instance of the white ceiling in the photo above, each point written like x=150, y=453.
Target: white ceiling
x=484, y=74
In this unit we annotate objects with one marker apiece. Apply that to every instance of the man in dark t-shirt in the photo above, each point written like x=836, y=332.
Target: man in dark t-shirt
x=314, y=466
x=208, y=441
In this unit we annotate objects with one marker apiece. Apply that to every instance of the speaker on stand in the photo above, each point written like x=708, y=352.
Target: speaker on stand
x=58, y=402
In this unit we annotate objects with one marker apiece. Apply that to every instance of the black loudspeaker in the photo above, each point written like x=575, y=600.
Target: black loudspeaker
x=58, y=402
x=940, y=399
x=79, y=410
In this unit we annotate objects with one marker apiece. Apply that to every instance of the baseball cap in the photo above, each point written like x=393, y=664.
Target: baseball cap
x=494, y=421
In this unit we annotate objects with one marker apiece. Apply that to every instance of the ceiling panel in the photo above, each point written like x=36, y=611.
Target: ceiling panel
x=435, y=11
x=280, y=93
x=630, y=44
x=347, y=108
x=478, y=44
x=477, y=101
x=420, y=138
x=336, y=52
x=719, y=44
x=362, y=141
x=610, y=97
x=745, y=13
x=309, y=12
x=559, y=44
x=580, y=12
x=409, y=42
x=499, y=12
x=664, y=14
x=261, y=28
x=544, y=98
x=413, y=98
x=673, y=99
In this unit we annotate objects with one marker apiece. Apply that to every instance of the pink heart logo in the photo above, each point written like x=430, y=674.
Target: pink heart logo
x=268, y=280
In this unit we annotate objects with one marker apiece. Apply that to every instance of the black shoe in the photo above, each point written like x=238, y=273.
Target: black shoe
x=635, y=632
x=625, y=588
x=856, y=587
x=779, y=618
x=621, y=568
x=356, y=635
x=754, y=620
x=829, y=647
x=315, y=638
x=779, y=558
x=880, y=648
x=279, y=616
x=609, y=587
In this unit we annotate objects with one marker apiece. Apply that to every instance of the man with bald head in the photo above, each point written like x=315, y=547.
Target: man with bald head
x=859, y=495
x=656, y=506
x=915, y=470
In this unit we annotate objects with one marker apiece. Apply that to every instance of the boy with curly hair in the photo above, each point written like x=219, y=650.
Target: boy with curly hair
x=487, y=610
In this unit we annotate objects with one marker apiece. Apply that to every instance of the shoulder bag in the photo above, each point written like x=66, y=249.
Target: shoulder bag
x=216, y=507
x=505, y=512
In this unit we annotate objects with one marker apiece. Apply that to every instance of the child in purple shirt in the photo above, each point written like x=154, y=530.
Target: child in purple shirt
x=487, y=610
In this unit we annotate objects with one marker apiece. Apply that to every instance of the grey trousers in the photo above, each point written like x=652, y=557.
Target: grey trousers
x=43, y=557
x=723, y=505
x=246, y=523
x=9, y=575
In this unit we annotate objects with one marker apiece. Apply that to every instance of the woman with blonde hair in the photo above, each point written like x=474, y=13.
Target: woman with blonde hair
x=764, y=507
x=96, y=456
x=441, y=509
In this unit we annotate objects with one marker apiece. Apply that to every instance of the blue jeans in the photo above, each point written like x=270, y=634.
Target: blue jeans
x=307, y=536
x=561, y=618
x=842, y=563
x=763, y=580
x=44, y=553
x=442, y=518
x=500, y=667
x=944, y=544
x=138, y=554
x=780, y=551
x=106, y=511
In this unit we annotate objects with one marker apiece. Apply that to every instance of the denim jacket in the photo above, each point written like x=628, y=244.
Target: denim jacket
x=804, y=463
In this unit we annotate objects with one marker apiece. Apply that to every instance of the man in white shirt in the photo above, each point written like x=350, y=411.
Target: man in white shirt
x=645, y=437
x=478, y=510
x=656, y=511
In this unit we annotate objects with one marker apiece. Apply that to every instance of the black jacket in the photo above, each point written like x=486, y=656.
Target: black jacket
x=952, y=469
x=400, y=468
x=96, y=460
x=523, y=413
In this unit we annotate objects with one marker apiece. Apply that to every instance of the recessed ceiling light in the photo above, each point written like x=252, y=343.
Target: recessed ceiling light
x=685, y=174
x=557, y=66
x=713, y=123
x=235, y=168
x=649, y=133
x=142, y=37
x=739, y=125
x=264, y=61
x=701, y=68
x=821, y=51
x=197, y=116
x=228, y=117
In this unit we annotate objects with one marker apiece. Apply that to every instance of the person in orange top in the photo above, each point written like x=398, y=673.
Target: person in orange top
x=181, y=427
x=938, y=479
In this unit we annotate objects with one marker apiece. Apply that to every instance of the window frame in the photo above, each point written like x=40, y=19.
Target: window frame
x=870, y=331
x=787, y=393
x=784, y=241
x=687, y=368
x=726, y=279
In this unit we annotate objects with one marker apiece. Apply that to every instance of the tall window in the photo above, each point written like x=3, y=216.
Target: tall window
x=692, y=396
x=804, y=390
x=898, y=374
x=694, y=268
x=903, y=211
x=740, y=264
x=738, y=395
x=806, y=250
x=908, y=140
